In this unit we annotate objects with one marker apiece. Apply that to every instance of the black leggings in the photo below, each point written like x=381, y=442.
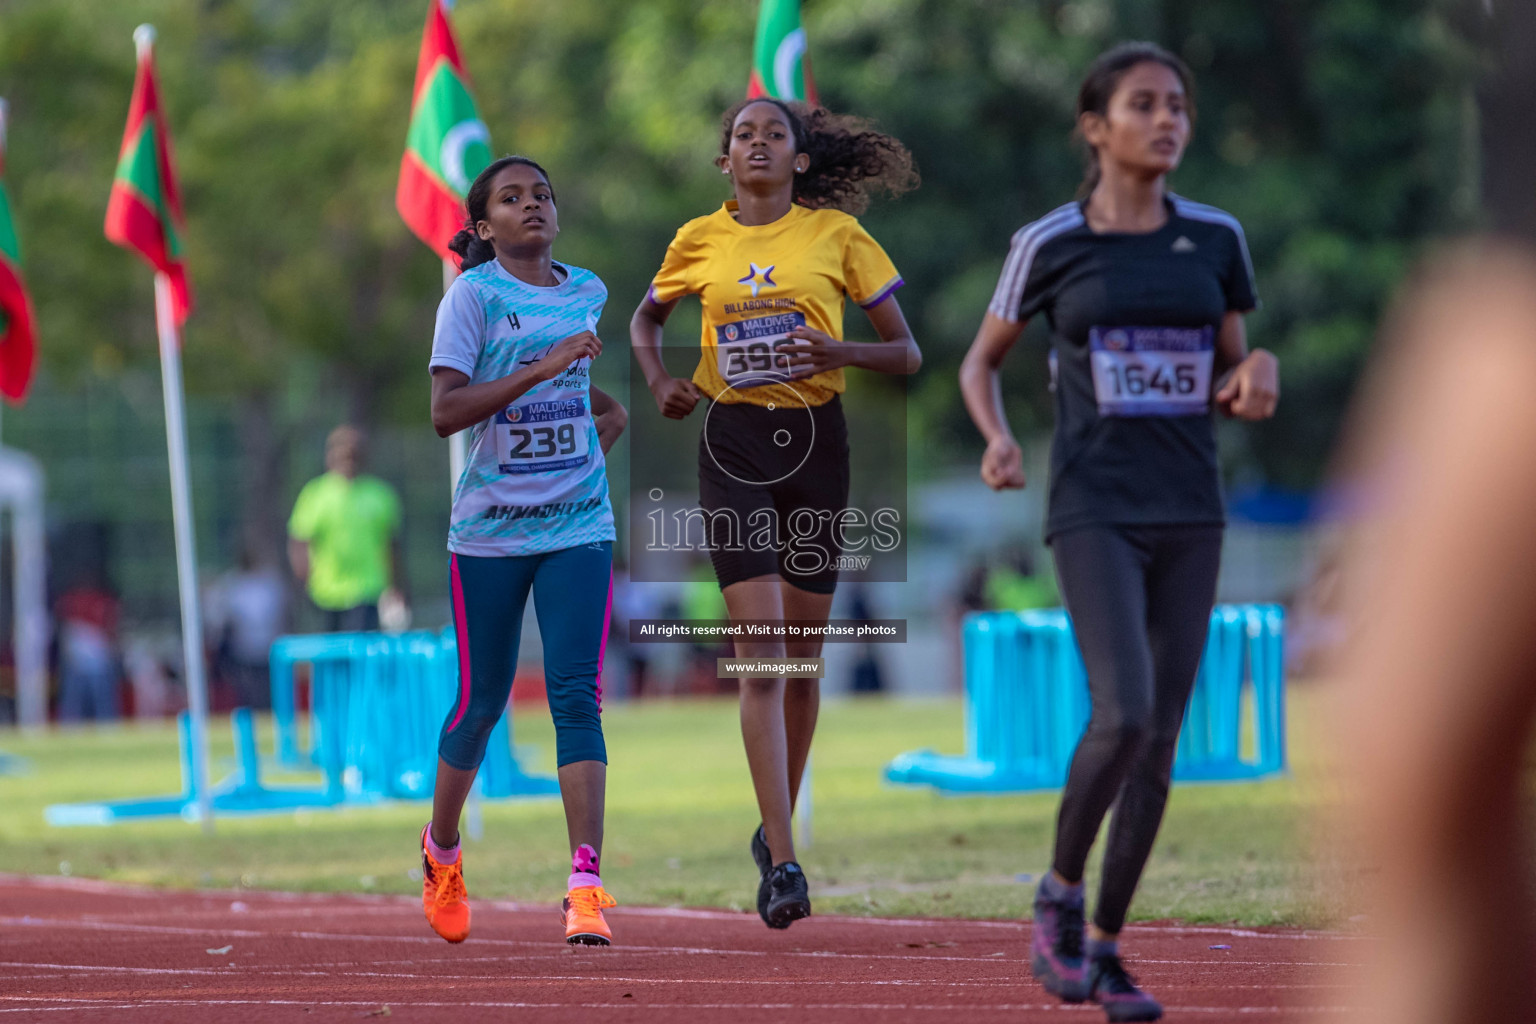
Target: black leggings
x=1140, y=599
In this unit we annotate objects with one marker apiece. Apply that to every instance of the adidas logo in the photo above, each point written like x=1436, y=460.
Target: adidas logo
x=1184, y=245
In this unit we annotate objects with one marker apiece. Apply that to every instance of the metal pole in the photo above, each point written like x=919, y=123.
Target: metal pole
x=458, y=444
x=803, y=806
x=186, y=546
x=458, y=453
x=31, y=598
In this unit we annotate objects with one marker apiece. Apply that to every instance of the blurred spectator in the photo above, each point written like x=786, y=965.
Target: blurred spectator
x=701, y=600
x=344, y=538
x=247, y=610
x=1314, y=628
x=632, y=600
x=87, y=615
x=147, y=660
x=867, y=675
x=1013, y=585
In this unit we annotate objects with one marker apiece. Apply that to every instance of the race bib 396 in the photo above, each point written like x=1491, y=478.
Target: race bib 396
x=747, y=350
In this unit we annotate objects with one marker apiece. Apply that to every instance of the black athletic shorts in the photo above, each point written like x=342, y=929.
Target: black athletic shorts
x=771, y=484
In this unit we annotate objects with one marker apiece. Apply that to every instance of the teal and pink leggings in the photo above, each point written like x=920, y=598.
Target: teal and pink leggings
x=573, y=597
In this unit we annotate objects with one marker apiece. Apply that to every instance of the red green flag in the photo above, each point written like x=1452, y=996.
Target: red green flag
x=446, y=145
x=780, y=66
x=144, y=211
x=18, y=338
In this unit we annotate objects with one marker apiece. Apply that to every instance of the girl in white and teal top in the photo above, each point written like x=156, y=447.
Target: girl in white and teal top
x=511, y=360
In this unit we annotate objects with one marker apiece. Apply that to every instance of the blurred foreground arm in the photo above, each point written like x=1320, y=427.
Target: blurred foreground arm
x=1440, y=668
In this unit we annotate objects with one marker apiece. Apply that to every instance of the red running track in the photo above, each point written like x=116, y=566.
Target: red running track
x=81, y=950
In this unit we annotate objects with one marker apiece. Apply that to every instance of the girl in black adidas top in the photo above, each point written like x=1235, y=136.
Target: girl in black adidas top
x=1144, y=293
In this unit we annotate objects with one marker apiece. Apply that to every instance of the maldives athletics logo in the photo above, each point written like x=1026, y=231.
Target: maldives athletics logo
x=446, y=145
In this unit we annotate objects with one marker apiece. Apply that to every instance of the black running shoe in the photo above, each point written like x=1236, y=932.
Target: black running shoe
x=760, y=854
x=1115, y=990
x=788, y=896
x=1056, y=947
x=764, y=861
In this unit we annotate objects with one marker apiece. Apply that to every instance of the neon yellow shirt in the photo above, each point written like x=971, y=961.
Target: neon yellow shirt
x=755, y=283
x=348, y=525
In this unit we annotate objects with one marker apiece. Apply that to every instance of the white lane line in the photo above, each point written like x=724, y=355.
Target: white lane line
x=418, y=940
x=380, y=902
x=81, y=1004
x=345, y=971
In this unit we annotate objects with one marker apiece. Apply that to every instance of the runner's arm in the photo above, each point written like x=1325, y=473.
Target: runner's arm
x=1248, y=384
x=457, y=404
x=1002, y=466
x=675, y=396
x=610, y=416
x=896, y=352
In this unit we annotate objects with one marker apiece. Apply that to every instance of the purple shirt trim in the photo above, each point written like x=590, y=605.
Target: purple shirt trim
x=883, y=294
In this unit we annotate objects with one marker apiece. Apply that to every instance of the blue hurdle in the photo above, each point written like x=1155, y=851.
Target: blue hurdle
x=1026, y=704
x=377, y=703
x=240, y=793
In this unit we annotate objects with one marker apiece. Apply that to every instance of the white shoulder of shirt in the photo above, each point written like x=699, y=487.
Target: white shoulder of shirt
x=1026, y=245
x=1214, y=215
x=485, y=274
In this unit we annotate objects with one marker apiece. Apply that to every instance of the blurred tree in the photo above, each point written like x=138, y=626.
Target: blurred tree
x=1337, y=130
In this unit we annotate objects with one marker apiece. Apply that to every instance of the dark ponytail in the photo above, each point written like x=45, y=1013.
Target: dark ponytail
x=849, y=159
x=472, y=249
x=1103, y=78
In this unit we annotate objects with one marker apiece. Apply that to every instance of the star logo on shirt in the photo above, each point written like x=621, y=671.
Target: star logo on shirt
x=752, y=282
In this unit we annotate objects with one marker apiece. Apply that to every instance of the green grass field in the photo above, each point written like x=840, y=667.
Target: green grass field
x=680, y=812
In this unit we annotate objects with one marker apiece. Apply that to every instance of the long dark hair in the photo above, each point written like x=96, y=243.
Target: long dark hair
x=1103, y=78
x=849, y=159
x=472, y=249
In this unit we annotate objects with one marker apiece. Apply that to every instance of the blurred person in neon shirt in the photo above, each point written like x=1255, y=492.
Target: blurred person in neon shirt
x=344, y=538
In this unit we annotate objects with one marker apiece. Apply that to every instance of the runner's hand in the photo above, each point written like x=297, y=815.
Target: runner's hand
x=676, y=397
x=1002, y=467
x=814, y=352
x=1252, y=390
x=566, y=351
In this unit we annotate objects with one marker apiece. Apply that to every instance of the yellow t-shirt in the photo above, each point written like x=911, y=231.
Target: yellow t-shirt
x=757, y=283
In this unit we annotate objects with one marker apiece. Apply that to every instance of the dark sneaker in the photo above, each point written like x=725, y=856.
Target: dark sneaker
x=764, y=861
x=760, y=854
x=1116, y=991
x=1056, y=948
x=788, y=898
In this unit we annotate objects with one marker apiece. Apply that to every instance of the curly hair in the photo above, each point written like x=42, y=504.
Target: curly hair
x=849, y=159
x=472, y=249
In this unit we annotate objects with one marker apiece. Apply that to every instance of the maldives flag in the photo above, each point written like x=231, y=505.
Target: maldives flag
x=447, y=143
x=144, y=211
x=18, y=340
x=780, y=66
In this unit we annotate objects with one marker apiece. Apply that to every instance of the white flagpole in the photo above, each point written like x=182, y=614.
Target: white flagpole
x=458, y=444
x=458, y=452
x=186, y=546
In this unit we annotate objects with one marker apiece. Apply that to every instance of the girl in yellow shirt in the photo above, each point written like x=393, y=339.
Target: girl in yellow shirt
x=771, y=269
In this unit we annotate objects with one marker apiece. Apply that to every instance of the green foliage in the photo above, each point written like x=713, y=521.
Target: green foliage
x=1336, y=130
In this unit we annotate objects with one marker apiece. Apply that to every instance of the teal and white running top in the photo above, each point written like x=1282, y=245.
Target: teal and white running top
x=535, y=479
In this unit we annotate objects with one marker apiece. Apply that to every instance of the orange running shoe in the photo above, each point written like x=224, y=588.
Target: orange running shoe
x=443, y=894
x=582, y=913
